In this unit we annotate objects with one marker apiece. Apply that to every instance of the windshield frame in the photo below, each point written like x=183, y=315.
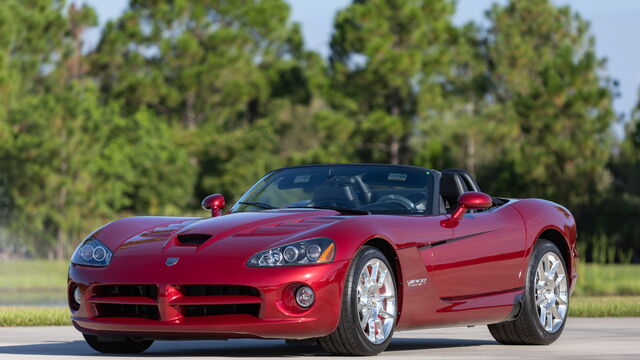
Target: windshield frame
x=431, y=188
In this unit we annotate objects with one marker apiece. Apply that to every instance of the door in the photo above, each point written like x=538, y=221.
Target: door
x=484, y=255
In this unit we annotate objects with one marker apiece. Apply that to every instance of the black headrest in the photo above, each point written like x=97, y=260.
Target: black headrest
x=467, y=178
x=451, y=185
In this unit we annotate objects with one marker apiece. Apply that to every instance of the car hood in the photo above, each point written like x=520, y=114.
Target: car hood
x=238, y=234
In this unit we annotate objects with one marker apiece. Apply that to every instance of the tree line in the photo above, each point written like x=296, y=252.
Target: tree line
x=180, y=99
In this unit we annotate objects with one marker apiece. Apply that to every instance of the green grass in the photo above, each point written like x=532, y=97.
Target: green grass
x=34, y=316
x=34, y=297
x=609, y=279
x=605, y=306
x=33, y=274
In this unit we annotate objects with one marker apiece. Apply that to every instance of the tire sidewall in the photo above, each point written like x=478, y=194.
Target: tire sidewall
x=363, y=256
x=541, y=248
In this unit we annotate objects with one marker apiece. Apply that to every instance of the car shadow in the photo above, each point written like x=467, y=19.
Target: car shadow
x=233, y=348
x=406, y=344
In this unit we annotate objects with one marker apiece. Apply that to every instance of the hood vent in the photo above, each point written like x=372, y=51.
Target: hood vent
x=192, y=239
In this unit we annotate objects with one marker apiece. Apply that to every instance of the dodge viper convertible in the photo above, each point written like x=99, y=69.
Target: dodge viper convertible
x=339, y=255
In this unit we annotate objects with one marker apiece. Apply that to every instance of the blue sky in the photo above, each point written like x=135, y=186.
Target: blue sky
x=615, y=24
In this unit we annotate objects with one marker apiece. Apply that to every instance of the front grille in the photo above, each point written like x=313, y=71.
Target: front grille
x=213, y=310
x=149, y=291
x=213, y=290
x=142, y=301
x=127, y=310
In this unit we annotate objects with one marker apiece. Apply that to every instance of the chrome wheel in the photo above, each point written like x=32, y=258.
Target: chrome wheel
x=551, y=292
x=376, y=298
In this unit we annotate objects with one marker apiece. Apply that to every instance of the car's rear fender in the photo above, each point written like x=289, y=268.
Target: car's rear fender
x=550, y=221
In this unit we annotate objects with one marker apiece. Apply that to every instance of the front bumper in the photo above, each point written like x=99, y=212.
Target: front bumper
x=276, y=315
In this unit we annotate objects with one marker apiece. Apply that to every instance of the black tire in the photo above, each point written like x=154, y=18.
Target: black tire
x=348, y=338
x=526, y=328
x=118, y=346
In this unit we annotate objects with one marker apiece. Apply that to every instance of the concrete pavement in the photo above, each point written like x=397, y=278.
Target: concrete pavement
x=593, y=338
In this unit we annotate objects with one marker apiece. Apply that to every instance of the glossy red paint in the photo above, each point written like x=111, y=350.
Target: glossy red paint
x=470, y=200
x=484, y=256
x=473, y=269
x=273, y=321
x=543, y=219
x=215, y=203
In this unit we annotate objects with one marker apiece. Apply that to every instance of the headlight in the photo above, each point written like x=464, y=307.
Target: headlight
x=91, y=252
x=305, y=252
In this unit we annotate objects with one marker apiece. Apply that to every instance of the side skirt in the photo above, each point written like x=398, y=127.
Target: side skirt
x=483, y=308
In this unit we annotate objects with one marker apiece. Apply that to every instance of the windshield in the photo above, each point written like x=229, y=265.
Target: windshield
x=375, y=189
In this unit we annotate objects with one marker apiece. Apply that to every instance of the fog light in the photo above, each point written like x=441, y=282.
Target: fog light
x=305, y=296
x=77, y=296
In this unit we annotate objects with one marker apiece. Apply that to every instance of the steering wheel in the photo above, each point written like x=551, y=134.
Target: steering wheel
x=399, y=199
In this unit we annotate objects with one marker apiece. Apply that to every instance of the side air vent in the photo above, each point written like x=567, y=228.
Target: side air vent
x=193, y=239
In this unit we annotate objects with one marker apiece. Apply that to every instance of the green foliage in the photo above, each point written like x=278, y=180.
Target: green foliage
x=152, y=174
x=185, y=98
x=72, y=164
x=48, y=164
x=24, y=48
x=224, y=76
x=600, y=248
x=544, y=77
x=227, y=157
x=204, y=62
x=387, y=57
x=624, y=192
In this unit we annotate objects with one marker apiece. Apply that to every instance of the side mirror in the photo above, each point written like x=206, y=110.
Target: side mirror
x=470, y=200
x=215, y=203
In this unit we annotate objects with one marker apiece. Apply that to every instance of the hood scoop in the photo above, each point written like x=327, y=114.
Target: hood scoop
x=192, y=239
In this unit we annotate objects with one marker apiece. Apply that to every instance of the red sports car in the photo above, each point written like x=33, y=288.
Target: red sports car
x=342, y=255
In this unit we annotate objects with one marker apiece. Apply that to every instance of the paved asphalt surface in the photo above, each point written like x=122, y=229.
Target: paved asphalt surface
x=610, y=338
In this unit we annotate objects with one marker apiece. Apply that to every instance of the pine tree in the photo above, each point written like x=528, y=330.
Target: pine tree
x=551, y=104
x=388, y=59
x=195, y=62
x=70, y=163
x=624, y=193
x=215, y=70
